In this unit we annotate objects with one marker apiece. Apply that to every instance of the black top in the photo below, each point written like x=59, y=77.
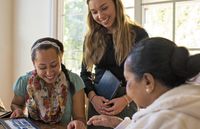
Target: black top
x=108, y=62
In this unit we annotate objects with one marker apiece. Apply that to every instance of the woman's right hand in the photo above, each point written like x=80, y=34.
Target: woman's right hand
x=17, y=106
x=98, y=103
x=17, y=113
x=76, y=124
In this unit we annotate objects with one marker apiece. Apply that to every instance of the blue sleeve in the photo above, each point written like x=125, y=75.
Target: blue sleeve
x=77, y=81
x=20, y=85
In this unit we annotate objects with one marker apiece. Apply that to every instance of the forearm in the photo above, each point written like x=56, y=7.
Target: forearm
x=91, y=95
x=79, y=106
x=18, y=111
x=116, y=122
x=16, y=106
x=127, y=99
x=105, y=121
x=87, y=79
x=82, y=119
x=18, y=102
x=123, y=124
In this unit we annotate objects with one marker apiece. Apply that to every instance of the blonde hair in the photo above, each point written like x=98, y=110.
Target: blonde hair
x=123, y=37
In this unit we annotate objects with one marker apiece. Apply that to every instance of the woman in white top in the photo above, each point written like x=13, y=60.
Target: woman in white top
x=156, y=72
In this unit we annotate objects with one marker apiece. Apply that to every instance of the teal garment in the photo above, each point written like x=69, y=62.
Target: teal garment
x=21, y=84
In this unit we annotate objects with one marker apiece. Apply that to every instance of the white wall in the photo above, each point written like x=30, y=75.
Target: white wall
x=32, y=20
x=6, y=51
x=21, y=23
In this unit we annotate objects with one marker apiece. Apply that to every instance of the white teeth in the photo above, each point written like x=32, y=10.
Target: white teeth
x=50, y=77
x=105, y=21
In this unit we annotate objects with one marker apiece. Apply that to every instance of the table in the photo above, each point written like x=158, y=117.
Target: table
x=48, y=126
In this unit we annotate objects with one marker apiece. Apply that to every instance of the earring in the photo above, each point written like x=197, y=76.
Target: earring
x=148, y=91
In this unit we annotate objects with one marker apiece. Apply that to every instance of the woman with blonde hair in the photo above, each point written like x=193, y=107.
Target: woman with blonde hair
x=108, y=41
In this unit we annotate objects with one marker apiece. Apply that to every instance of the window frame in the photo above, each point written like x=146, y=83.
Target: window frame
x=58, y=16
x=140, y=17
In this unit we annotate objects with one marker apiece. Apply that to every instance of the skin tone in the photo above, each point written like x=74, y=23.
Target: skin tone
x=76, y=124
x=103, y=12
x=47, y=64
x=139, y=89
x=142, y=91
x=104, y=120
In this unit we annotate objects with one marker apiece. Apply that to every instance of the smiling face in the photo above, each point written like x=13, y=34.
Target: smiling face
x=47, y=64
x=103, y=12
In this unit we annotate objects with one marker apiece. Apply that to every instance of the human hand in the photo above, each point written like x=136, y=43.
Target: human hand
x=104, y=120
x=98, y=103
x=117, y=105
x=17, y=113
x=76, y=124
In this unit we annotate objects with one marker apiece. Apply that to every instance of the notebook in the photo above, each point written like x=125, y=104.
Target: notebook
x=108, y=85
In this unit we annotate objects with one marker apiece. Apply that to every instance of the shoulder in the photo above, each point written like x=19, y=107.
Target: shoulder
x=73, y=76
x=164, y=119
x=140, y=32
x=23, y=78
x=76, y=80
x=136, y=28
x=20, y=84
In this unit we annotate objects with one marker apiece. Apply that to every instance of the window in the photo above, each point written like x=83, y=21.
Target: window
x=177, y=20
x=72, y=32
x=129, y=8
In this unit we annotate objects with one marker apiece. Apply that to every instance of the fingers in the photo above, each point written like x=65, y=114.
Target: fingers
x=104, y=106
x=17, y=113
x=93, y=119
x=13, y=115
x=101, y=98
x=70, y=126
x=76, y=124
x=98, y=103
x=105, y=100
x=116, y=106
x=111, y=113
x=100, y=120
x=95, y=122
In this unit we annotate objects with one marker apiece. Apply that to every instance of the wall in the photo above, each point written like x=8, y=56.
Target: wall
x=21, y=22
x=32, y=20
x=6, y=51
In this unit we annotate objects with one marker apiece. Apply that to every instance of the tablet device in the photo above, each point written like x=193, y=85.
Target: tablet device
x=18, y=123
x=107, y=85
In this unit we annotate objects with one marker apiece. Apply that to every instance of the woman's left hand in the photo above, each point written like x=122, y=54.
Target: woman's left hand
x=76, y=124
x=105, y=121
x=114, y=106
